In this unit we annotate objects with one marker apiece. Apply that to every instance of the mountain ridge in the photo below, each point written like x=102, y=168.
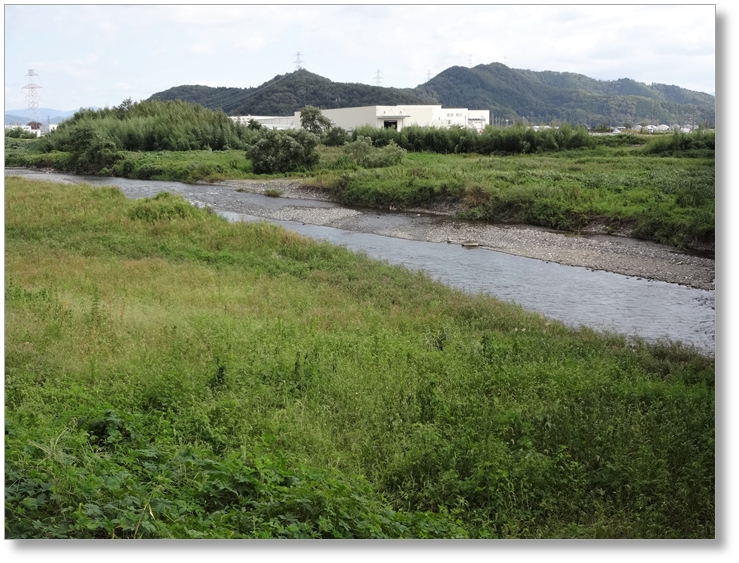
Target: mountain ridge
x=509, y=94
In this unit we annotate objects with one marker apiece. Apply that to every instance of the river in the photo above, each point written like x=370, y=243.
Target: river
x=651, y=310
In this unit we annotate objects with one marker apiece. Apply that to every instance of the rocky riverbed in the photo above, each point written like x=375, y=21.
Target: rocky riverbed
x=622, y=255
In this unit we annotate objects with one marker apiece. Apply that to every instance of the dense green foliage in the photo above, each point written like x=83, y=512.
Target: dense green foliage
x=20, y=133
x=151, y=126
x=511, y=140
x=283, y=151
x=313, y=121
x=183, y=166
x=514, y=94
x=169, y=374
x=701, y=144
x=364, y=153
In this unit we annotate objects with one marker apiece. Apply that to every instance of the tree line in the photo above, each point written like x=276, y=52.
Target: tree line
x=96, y=139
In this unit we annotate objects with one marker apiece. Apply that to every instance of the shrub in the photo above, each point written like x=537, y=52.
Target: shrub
x=366, y=155
x=164, y=206
x=336, y=137
x=92, y=149
x=283, y=151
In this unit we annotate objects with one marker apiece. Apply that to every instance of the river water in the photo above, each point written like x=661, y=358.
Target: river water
x=577, y=296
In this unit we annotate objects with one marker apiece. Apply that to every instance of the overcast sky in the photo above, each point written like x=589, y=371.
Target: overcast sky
x=98, y=55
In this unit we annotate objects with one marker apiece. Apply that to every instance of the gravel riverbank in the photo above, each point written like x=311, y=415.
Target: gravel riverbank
x=622, y=255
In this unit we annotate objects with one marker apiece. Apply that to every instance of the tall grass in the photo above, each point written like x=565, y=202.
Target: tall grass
x=169, y=374
x=665, y=199
x=513, y=140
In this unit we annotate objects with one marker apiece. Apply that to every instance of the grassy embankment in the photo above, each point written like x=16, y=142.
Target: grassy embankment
x=169, y=374
x=668, y=199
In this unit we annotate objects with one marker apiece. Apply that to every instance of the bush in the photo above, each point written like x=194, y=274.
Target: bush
x=366, y=155
x=336, y=137
x=92, y=149
x=283, y=151
x=700, y=144
x=163, y=206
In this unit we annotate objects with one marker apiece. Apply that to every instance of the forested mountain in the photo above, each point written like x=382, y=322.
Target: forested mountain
x=512, y=94
x=287, y=93
x=564, y=96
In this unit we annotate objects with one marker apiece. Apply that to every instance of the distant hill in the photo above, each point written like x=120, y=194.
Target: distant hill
x=508, y=93
x=286, y=94
x=564, y=96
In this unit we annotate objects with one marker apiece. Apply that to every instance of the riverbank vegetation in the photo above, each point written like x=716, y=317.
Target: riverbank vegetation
x=659, y=188
x=666, y=199
x=170, y=374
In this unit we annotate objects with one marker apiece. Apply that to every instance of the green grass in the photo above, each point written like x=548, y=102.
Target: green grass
x=169, y=374
x=666, y=199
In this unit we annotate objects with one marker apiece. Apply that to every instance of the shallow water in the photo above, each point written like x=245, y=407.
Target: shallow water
x=576, y=296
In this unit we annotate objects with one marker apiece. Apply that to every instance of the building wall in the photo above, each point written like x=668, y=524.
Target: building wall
x=422, y=116
x=376, y=116
x=349, y=118
x=269, y=121
x=478, y=118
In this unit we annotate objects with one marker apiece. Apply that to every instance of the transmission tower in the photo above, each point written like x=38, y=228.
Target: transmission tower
x=428, y=76
x=298, y=62
x=378, y=78
x=469, y=62
x=32, y=94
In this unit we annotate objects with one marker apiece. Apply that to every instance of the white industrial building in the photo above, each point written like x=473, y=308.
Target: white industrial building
x=43, y=130
x=25, y=128
x=396, y=117
x=267, y=121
